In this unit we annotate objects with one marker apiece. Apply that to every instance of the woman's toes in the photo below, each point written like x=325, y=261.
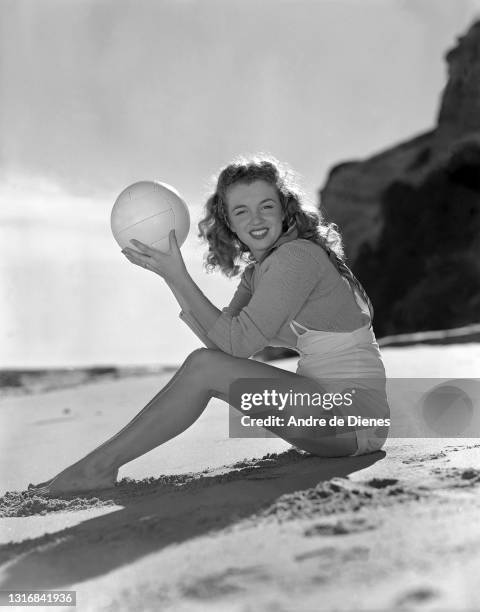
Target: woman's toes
x=78, y=477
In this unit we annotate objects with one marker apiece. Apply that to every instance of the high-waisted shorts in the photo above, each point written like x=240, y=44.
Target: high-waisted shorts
x=340, y=360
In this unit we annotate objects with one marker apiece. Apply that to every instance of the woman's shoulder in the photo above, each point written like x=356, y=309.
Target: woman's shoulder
x=302, y=248
x=298, y=256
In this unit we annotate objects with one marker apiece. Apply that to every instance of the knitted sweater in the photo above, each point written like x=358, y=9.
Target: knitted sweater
x=296, y=281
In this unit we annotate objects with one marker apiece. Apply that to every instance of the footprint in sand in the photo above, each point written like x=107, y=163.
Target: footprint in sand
x=426, y=458
x=390, y=485
x=458, y=477
x=340, y=527
x=470, y=474
x=381, y=483
x=225, y=583
x=327, y=553
x=419, y=595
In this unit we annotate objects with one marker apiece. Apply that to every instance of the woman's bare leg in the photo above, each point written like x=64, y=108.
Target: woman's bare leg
x=206, y=373
x=111, y=476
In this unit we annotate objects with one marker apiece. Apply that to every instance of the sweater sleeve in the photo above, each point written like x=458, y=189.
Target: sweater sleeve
x=288, y=277
x=240, y=298
x=243, y=293
x=189, y=319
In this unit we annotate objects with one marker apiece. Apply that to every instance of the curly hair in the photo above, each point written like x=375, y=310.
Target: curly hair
x=227, y=252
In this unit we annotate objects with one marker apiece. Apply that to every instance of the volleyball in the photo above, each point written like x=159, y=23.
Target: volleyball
x=147, y=211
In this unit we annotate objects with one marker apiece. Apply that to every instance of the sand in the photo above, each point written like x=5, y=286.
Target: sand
x=211, y=523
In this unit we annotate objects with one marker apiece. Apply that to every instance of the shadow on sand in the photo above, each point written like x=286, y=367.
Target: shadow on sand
x=155, y=516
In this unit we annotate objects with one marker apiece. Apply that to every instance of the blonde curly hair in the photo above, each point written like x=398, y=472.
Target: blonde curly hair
x=227, y=252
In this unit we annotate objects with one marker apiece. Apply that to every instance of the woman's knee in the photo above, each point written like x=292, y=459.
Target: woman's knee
x=202, y=358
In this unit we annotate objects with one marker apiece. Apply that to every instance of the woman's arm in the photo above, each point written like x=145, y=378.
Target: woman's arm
x=193, y=301
x=197, y=310
x=241, y=297
x=187, y=318
x=171, y=267
x=289, y=275
x=189, y=296
x=284, y=283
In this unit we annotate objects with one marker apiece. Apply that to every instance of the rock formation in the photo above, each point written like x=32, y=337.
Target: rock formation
x=410, y=215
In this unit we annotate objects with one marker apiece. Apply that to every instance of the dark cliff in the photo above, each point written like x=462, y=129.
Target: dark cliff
x=410, y=215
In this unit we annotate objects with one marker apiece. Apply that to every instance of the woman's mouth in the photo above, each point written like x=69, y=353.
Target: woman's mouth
x=259, y=233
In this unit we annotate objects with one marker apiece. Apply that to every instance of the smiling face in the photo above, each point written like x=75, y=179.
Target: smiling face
x=255, y=215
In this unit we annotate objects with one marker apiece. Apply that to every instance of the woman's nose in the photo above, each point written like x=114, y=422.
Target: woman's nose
x=257, y=216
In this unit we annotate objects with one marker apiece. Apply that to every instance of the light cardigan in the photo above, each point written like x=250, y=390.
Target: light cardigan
x=295, y=281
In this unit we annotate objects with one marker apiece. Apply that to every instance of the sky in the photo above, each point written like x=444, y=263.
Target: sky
x=96, y=95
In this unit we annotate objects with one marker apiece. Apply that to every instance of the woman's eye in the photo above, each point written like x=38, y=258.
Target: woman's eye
x=240, y=212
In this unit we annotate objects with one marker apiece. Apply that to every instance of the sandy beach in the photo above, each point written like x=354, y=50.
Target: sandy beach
x=208, y=522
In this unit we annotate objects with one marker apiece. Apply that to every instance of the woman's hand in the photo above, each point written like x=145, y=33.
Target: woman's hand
x=169, y=266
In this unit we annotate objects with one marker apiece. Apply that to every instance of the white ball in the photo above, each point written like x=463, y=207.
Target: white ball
x=147, y=211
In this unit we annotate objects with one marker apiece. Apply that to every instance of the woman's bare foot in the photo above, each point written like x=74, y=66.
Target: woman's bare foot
x=81, y=476
x=39, y=485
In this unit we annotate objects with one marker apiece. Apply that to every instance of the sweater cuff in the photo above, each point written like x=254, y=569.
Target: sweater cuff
x=192, y=323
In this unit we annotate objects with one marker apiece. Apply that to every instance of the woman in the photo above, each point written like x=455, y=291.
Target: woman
x=295, y=292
